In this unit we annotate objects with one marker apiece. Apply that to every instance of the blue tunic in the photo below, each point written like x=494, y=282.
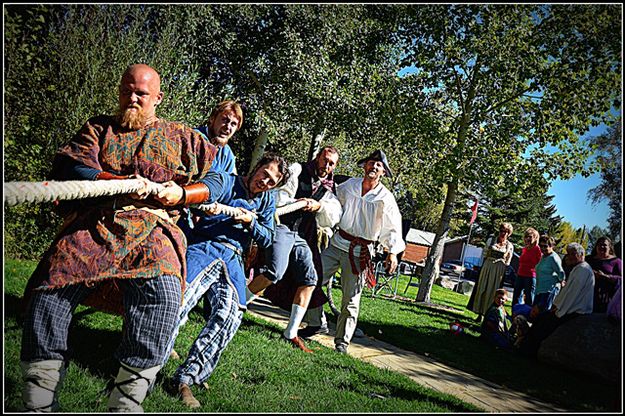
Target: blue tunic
x=224, y=159
x=228, y=238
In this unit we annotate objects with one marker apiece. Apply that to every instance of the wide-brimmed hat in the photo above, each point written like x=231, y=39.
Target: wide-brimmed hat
x=380, y=156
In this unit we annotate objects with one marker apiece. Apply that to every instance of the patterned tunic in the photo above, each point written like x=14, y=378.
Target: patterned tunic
x=116, y=237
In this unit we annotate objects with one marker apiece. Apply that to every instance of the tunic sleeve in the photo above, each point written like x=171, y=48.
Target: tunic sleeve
x=80, y=154
x=330, y=212
x=263, y=228
x=391, y=235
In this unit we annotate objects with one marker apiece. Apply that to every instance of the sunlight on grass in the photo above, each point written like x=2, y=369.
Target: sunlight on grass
x=259, y=372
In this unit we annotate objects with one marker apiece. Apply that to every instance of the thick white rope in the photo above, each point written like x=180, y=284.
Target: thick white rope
x=16, y=193
x=286, y=209
x=20, y=192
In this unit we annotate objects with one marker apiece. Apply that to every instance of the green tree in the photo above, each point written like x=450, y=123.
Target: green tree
x=62, y=66
x=299, y=70
x=594, y=234
x=609, y=147
x=513, y=79
x=523, y=208
x=566, y=234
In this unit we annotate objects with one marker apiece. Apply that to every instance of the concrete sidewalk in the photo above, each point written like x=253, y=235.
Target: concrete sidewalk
x=423, y=370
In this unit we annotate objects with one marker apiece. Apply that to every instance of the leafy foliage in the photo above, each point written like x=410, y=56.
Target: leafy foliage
x=609, y=147
x=511, y=79
x=490, y=84
x=566, y=234
x=52, y=86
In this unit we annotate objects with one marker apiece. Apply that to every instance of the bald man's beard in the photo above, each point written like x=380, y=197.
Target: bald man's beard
x=132, y=120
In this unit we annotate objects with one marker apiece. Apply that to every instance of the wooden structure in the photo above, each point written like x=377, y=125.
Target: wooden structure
x=418, y=245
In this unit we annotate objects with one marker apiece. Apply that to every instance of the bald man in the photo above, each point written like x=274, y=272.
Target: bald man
x=123, y=253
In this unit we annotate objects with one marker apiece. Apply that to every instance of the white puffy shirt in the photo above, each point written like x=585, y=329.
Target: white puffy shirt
x=374, y=216
x=330, y=211
x=577, y=295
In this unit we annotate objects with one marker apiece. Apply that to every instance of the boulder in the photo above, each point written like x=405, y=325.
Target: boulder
x=465, y=287
x=445, y=282
x=589, y=344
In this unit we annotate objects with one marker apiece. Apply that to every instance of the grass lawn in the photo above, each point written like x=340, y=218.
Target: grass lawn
x=256, y=373
x=424, y=329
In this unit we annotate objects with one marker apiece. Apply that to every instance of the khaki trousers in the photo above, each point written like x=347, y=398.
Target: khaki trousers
x=352, y=284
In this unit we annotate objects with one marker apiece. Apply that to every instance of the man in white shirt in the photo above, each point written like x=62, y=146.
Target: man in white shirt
x=574, y=299
x=370, y=214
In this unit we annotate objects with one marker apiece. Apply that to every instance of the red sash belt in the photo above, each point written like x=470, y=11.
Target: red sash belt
x=364, y=259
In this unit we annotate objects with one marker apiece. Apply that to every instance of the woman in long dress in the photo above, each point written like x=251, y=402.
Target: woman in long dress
x=496, y=258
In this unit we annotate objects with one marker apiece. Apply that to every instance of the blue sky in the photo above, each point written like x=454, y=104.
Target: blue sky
x=571, y=197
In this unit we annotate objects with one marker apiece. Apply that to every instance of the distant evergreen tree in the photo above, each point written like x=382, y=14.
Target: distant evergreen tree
x=523, y=209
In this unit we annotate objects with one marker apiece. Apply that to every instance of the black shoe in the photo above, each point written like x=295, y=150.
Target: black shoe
x=341, y=349
x=309, y=331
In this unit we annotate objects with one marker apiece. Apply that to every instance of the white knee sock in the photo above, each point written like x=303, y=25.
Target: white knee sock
x=249, y=296
x=43, y=380
x=297, y=314
x=131, y=387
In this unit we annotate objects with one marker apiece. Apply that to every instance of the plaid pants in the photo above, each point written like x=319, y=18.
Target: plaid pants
x=220, y=326
x=150, y=306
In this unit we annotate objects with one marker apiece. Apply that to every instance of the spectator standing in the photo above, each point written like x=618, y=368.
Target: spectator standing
x=614, y=307
x=549, y=276
x=496, y=258
x=525, y=281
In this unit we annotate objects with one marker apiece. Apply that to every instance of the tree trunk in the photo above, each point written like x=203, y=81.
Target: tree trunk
x=315, y=144
x=259, y=148
x=431, y=264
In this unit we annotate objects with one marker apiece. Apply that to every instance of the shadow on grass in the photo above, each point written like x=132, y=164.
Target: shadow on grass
x=88, y=347
x=468, y=353
x=365, y=379
x=410, y=395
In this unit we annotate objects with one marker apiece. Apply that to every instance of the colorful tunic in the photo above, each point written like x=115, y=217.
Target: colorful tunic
x=116, y=237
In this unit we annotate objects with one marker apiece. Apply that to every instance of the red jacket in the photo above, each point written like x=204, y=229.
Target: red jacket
x=528, y=261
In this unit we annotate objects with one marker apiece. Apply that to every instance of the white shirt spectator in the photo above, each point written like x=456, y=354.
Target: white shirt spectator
x=577, y=295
